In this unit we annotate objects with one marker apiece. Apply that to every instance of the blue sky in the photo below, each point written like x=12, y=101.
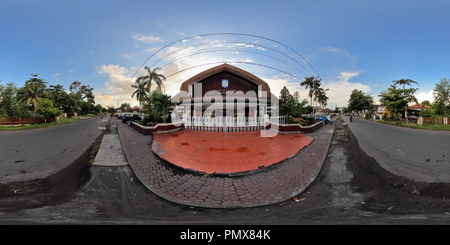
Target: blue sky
x=350, y=44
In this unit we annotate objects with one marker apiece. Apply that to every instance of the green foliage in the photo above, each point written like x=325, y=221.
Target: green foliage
x=17, y=102
x=150, y=120
x=160, y=105
x=369, y=114
x=9, y=105
x=34, y=89
x=291, y=104
x=152, y=77
x=358, y=101
x=397, y=99
x=427, y=113
x=441, y=93
x=140, y=91
x=286, y=102
x=123, y=106
x=46, y=109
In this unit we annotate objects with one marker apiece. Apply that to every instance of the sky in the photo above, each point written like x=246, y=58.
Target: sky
x=105, y=44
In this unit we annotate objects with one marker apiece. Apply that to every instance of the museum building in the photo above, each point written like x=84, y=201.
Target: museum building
x=225, y=98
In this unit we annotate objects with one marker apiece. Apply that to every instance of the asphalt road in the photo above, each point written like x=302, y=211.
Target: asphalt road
x=39, y=153
x=419, y=155
x=351, y=188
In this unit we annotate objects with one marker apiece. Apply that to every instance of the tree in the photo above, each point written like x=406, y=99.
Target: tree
x=124, y=107
x=441, y=94
x=46, y=109
x=139, y=92
x=98, y=108
x=9, y=105
x=358, y=101
x=300, y=106
x=31, y=93
x=85, y=95
x=396, y=100
x=162, y=104
x=426, y=102
x=286, y=102
x=8, y=99
x=111, y=109
x=74, y=86
x=58, y=95
x=321, y=96
x=309, y=83
x=405, y=82
x=152, y=76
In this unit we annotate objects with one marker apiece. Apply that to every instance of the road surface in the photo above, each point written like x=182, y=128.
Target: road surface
x=27, y=155
x=420, y=155
x=351, y=188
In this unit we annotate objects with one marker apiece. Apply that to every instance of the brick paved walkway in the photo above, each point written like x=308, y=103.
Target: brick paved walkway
x=226, y=153
x=275, y=185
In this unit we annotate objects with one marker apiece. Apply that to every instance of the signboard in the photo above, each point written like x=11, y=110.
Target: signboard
x=225, y=83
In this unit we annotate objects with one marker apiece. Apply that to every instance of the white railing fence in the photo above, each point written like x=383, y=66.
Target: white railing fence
x=228, y=123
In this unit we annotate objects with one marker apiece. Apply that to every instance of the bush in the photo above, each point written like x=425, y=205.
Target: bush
x=369, y=115
x=303, y=121
x=432, y=120
x=147, y=121
x=309, y=119
x=427, y=113
x=389, y=115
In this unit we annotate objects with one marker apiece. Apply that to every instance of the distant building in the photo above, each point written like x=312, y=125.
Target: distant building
x=415, y=109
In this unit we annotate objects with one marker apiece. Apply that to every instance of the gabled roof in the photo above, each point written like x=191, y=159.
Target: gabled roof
x=418, y=106
x=225, y=67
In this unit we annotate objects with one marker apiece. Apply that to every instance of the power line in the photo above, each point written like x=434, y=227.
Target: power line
x=238, y=34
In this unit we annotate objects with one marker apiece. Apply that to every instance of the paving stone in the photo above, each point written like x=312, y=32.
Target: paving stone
x=274, y=185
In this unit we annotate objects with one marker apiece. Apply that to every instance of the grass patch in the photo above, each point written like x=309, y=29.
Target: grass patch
x=436, y=127
x=61, y=121
x=94, y=152
x=88, y=115
x=334, y=134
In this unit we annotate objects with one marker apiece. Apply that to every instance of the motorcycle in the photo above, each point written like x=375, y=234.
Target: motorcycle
x=351, y=118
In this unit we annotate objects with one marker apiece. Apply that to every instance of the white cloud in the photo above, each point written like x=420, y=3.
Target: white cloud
x=340, y=90
x=118, y=87
x=345, y=76
x=147, y=39
x=425, y=96
x=338, y=93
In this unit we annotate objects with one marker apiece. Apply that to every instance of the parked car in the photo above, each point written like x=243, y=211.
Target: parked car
x=126, y=117
x=323, y=118
x=132, y=117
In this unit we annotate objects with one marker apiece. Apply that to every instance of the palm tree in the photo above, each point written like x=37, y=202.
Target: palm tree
x=162, y=104
x=153, y=76
x=322, y=97
x=140, y=92
x=30, y=95
x=317, y=90
x=309, y=83
x=313, y=84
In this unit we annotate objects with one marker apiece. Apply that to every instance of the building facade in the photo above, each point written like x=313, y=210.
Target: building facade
x=223, y=94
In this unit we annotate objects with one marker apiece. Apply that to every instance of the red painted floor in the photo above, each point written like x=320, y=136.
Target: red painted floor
x=228, y=152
